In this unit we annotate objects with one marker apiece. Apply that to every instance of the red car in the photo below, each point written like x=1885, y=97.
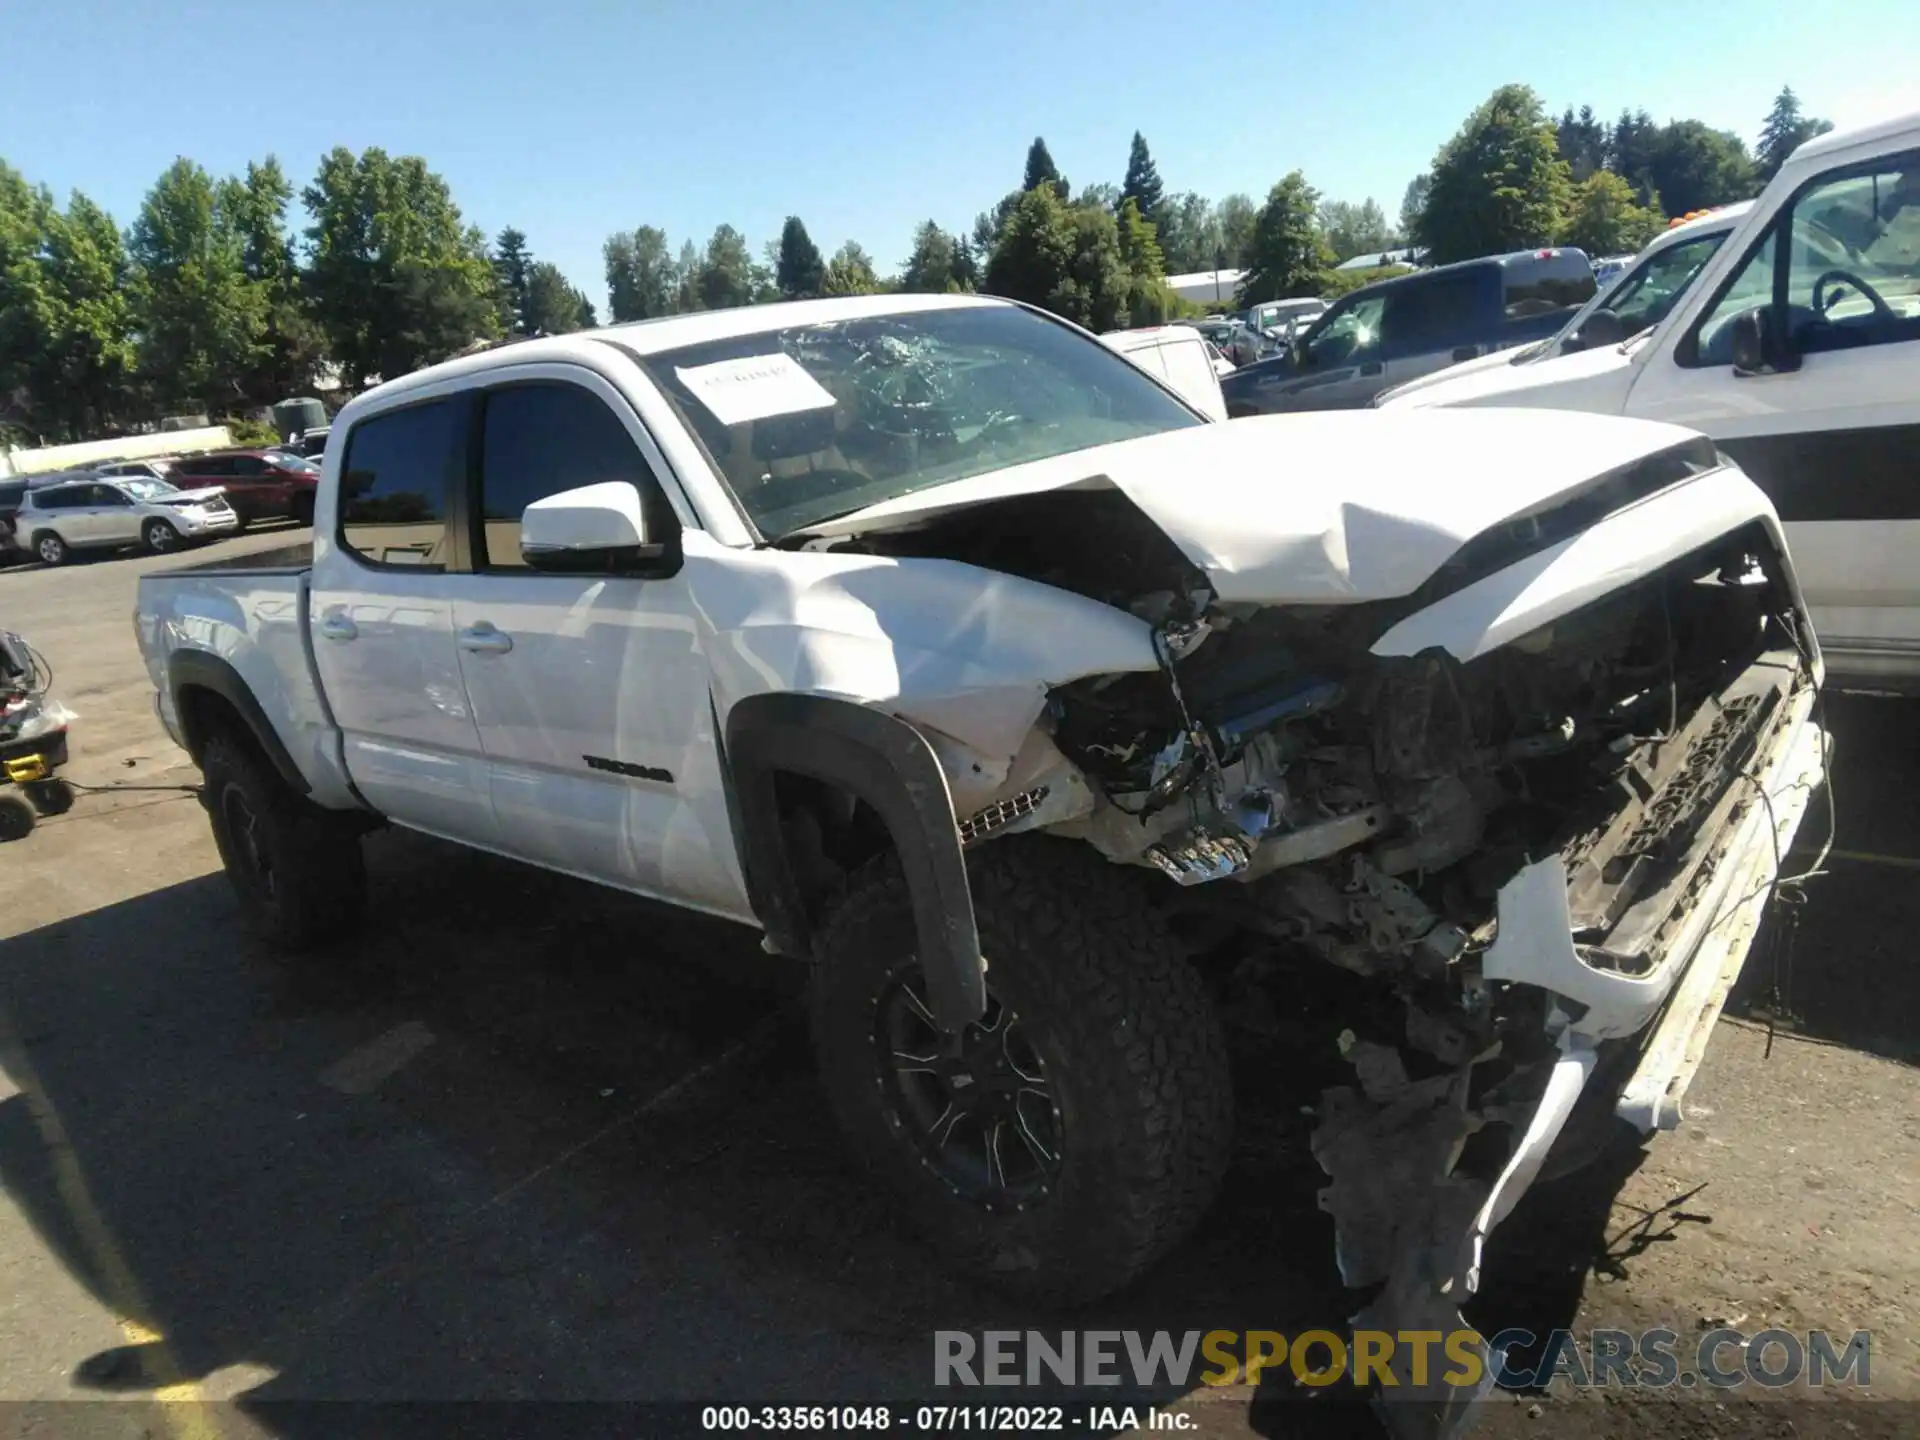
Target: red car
x=260, y=484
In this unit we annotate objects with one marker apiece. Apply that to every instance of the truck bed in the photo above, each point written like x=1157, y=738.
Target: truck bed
x=282, y=560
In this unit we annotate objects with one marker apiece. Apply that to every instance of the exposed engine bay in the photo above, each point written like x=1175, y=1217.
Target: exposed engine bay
x=1381, y=812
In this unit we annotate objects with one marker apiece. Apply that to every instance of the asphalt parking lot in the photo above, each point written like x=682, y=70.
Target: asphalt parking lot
x=526, y=1140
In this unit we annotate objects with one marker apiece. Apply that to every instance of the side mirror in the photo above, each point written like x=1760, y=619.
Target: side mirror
x=1602, y=327
x=596, y=529
x=1749, y=343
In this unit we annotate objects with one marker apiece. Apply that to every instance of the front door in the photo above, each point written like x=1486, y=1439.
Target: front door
x=382, y=625
x=591, y=692
x=112, y=517
x=1833, y=436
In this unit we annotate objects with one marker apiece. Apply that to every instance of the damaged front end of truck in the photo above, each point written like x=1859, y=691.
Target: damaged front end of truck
x=1537, y=792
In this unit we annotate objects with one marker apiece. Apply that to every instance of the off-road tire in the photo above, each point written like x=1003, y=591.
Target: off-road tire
x=315, y=886
x=16, y=816
x=50, y=549
x=159, y=537
x=49, y=797
x=1127, y=1033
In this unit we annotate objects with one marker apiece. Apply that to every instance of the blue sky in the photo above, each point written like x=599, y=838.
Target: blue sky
x=573, y=118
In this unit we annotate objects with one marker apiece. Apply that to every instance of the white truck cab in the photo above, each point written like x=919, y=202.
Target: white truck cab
x=1796, y=347
x=1182, y=358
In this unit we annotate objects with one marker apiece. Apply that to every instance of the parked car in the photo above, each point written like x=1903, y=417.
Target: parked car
x=152, y=469
x=1277, y=316
x=1797, y=348
x=12, y=492
x=1180, y=356
x=271, y=484
x=916, y=629
x=1394, y=330
x=86, y=512
x=1635, y=301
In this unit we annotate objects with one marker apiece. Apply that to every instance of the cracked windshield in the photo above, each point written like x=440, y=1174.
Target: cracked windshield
x=816, y=421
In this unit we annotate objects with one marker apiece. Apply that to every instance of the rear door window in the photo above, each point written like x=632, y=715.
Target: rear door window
x=394, y=485
x=1432, y=314
x=1544, y=284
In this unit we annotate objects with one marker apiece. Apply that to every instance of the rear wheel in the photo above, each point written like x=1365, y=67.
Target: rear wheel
x=49, y=797
x=159, y=537
x=16, y=816
x=1074, y=1135
x=296, y=869
x=51, y=549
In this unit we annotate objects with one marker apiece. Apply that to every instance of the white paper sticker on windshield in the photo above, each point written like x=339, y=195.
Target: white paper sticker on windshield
x=755, y=388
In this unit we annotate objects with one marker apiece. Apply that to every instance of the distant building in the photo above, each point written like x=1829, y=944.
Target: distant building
x=1409, y=256
x=1207, y=287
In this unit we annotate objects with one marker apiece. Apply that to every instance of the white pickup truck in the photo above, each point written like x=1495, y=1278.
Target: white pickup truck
x=966, y=661
x=1795, y=344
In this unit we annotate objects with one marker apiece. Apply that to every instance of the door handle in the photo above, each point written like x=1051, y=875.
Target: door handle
x=1372, y=367
x=336, y=626
x=483, y=639
x=1466, y=352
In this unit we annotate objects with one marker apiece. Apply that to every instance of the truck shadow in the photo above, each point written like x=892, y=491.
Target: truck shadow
x=599, y=1168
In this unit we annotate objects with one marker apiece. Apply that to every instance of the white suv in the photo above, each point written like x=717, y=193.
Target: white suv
x=96, y=513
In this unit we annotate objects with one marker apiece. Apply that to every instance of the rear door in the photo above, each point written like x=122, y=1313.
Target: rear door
x=382, y=623
x=591, y=692
x=1835, y=438
x=1435, y=321
x=253, y=489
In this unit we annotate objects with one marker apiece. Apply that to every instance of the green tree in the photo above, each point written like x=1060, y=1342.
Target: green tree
x=1101, y=195
x=1606, y=217
x=1355, y=229
x=1693, y=167
x=642, y=279
x=290, y=348
x=966, y=263
x=514, y=267
x=1630, y=150
x=554, y=307
x=930, y=268
x=1289, y=255
x=1034, y=258
x=1042, y=171
x=83, y=378
x=1142, y=185
x=1098, y=286
x=1238, y=216
x=1148, y=300
x=1582, y=140
x=727, y=273
x=1499, y=184
x=201, y=318
x=687, y=296
x=1413, y=204
x=28, y=317
x=1786, y=129
x=395, y=277
x=799, y=271
x=1336, y=283
x=850, y=272
x=1189, y=233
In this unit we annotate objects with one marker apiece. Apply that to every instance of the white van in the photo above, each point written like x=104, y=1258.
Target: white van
x=1181, y=356
x=1797, y=348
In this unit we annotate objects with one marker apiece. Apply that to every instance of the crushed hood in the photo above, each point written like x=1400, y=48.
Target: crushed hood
x=1320, y=508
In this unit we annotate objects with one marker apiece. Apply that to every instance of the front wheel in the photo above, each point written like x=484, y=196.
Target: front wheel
x=51, y=549
x=159, y=537
x=1078, y=1131
x=16, y=816
x=296, y=869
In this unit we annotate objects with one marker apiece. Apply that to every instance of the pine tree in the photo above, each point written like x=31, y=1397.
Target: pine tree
x=514, y=266
x=1042, y=171
x=1142, y=185
x=1785, y=131
x=800, y=270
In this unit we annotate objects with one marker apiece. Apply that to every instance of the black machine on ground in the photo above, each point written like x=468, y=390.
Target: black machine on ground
x=33, y=740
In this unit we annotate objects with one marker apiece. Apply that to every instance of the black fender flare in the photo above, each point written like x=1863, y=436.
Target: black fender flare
x=200, y=670
x=888, y=764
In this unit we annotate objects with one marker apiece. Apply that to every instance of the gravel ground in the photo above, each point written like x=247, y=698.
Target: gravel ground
x=531, y=1141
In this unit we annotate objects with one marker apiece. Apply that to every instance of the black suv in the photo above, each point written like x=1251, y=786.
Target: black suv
x=1400, y=329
